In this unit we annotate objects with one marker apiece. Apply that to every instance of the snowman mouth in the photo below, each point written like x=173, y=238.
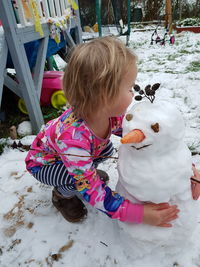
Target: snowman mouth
x=138, y=148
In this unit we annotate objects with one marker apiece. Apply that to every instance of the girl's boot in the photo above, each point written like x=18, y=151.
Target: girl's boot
x=72, y=208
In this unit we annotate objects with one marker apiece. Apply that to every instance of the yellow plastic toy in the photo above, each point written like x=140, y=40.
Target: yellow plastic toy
x=22, y=106
x=58, y=99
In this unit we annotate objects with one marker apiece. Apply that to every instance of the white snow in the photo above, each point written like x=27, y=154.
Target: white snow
x=159, y=176
x=33, y=233
x=24, y=128
x=157, y=169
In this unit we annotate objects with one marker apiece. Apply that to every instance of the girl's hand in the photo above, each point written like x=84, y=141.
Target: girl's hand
x=195, y=185
x=160, y=214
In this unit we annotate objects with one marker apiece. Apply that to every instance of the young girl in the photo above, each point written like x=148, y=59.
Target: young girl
x=98, y=83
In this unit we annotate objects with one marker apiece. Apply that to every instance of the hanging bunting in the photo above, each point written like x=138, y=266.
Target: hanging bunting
x=27, y=12
x=36, y=17
x=55, y=31
x=68, y=13
x=58, y=24
x=73, y=4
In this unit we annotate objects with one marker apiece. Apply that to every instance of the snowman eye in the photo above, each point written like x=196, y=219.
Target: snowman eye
x=155, y=127
x=129, y=117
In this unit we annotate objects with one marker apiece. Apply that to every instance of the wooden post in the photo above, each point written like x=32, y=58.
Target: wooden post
x=46, y=9
x=21, y=13
x=168, y=11
x=57, y=6
x=52, y=8
x=40, y=10
x=62, y=4
x=78, y=30
x=3, y=59
x=180, y=9
x=66, y=3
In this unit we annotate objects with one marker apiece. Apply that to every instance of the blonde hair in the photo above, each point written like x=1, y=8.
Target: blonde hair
x=93, y=74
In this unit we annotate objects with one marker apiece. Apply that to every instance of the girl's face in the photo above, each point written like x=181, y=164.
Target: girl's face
x=126, y=94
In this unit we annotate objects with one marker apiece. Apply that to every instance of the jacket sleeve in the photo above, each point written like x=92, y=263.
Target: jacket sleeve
x=76, y=156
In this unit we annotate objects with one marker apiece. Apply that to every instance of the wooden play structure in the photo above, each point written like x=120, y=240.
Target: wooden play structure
x=25, y=21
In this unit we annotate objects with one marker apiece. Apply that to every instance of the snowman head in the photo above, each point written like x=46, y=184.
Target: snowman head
x=156, y=126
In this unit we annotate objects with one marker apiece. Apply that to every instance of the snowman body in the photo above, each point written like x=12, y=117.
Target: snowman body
x=157, y=170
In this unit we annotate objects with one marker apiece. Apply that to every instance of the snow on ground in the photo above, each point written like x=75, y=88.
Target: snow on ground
x=33, y=233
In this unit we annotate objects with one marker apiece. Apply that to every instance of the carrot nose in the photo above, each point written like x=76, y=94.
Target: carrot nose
x=135, y=136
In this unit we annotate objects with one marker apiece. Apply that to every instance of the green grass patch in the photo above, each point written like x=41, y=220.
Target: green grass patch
x=137, y=45
x=173, y=57
x=50, y=113
x=194, y=66
x=151, y=70
x=2, y=146
x=186, y=52
x=172, y=71
x=157, y=60
x=183, y=51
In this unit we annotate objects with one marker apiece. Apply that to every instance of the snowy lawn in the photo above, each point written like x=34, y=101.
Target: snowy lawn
x=33, y=233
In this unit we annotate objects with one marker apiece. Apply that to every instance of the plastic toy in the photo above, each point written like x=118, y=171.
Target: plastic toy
x=51, y=93
x=155, y=38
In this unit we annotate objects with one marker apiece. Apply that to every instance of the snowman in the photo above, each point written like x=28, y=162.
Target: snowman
x=155, y=166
